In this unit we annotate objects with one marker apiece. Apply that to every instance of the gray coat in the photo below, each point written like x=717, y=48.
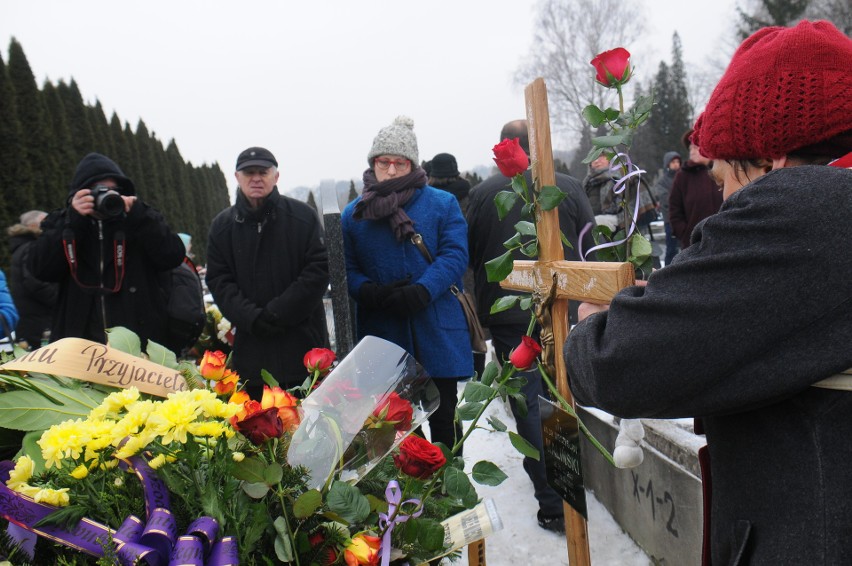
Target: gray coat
x=740, y=326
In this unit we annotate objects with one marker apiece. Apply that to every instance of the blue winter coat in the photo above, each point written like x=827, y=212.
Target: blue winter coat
x=436, y=336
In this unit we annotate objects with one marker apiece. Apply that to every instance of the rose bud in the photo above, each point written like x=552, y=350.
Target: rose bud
x=613, y=67
x=510, y=158
x=212, y=365
x=525, y=354
x=419, y=458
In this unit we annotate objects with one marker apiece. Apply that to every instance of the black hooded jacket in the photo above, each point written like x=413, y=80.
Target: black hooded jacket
x=102, y=292
x=35, y=299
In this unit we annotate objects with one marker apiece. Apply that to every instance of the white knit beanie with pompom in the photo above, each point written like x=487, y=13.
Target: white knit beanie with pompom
x=396, y=139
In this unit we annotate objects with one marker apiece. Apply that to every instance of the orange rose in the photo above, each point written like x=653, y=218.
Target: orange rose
x=363, y=550
x=287, y=405
x=212, y=365
x=227, y=384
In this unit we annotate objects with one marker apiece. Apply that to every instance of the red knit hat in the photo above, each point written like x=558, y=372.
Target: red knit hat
x=785, y=88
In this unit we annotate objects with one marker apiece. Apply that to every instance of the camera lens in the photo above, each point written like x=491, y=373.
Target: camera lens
x=109, y=204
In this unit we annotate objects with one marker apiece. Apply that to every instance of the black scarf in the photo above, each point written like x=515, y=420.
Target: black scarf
x=387, y=199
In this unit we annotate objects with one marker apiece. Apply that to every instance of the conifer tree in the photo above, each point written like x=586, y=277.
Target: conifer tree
x=121, y=152
x=312, y=202
x=100, y=128
x=15, y=170
x=34, y=129
x=353, y=194
x=771, y=13
x=60, y=146
x=77, y=117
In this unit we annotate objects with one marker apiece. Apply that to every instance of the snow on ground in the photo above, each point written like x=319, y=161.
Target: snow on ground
x=522, y=541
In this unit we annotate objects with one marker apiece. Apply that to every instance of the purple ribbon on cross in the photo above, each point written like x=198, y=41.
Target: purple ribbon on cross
x=620, y=185
x=394, y=516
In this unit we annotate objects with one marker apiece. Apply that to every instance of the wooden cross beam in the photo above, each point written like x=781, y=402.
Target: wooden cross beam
x=591, y=282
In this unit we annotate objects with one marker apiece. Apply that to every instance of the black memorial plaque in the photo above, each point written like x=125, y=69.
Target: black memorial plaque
x=561, y=435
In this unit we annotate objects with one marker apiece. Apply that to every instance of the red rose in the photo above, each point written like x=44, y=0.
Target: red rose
x=261, y=425
x=395, y=410
x=418, y=457
x=510, y=158
x=613, y=67
x=326, y=554
x=319, y=359
x=525, y=354
x=212, y=365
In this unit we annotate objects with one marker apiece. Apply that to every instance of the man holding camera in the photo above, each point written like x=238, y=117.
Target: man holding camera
x=110, y=254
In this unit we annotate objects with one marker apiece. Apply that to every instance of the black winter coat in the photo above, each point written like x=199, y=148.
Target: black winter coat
x=139, y=303
x=486, y=234
x=740, y=326
x=273, y=258
x=35, y=299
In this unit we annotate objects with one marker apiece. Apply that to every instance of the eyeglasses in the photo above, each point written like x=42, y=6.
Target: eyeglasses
x=384, y=164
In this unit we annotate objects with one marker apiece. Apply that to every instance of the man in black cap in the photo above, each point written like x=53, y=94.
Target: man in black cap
x=267, y=270
x=110, y=253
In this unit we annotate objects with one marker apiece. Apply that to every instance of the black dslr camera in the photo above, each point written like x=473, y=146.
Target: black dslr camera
x=108, y=203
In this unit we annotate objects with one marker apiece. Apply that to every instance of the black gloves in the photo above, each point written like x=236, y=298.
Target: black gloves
x=407, y=300
x=373, y=296
x=266, y=325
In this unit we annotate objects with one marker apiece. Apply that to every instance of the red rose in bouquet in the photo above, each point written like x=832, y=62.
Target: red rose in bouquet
x=395, y=410
x=418, y=457
x=525, y=354
x=259, y=425
x=510, y=158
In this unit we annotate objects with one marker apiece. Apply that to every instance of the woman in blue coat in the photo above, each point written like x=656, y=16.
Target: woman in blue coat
x=400, y=296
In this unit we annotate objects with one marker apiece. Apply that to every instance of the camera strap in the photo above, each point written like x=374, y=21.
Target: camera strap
x=69, y=245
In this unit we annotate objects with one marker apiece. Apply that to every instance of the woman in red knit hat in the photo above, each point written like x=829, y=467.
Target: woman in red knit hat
x=751, y=326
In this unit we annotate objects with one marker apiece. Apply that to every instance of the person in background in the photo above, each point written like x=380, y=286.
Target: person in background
x=109, y=251
x=267, y=269
x=8, y=312
x=749, y=326
x=444, y=174
x=694, y=195
x=598, y=186
x=486, y=234
x=34, y=299
x=662, y=188
x=400, y=295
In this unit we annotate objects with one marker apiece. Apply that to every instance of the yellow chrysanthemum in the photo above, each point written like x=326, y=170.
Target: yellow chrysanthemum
x=211, y=429
x=171, y=419
x=80, y=472
x=157, y=461
x=22, y=473
x=28, y=490
x=238, y=456
x=65, y=440
x=114, y=403
x=55, y=497
x=132, y=446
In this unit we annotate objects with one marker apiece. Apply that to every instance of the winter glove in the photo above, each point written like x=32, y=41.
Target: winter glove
x=265, y=325
x=407, y=300
x=372, y=295
x=628, y=452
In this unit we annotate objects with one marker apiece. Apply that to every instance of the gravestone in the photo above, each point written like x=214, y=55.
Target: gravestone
x=342, y=307
x=659, y=503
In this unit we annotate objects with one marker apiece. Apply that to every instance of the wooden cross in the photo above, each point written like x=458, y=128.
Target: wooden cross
x=594, y=282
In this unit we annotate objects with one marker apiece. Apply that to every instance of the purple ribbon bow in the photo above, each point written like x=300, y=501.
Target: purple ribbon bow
x=394, y=516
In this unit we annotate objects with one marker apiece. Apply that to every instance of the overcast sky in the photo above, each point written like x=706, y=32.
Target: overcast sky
x=314, y=81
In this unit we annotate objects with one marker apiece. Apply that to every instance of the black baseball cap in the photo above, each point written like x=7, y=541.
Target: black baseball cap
x=256, y=157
